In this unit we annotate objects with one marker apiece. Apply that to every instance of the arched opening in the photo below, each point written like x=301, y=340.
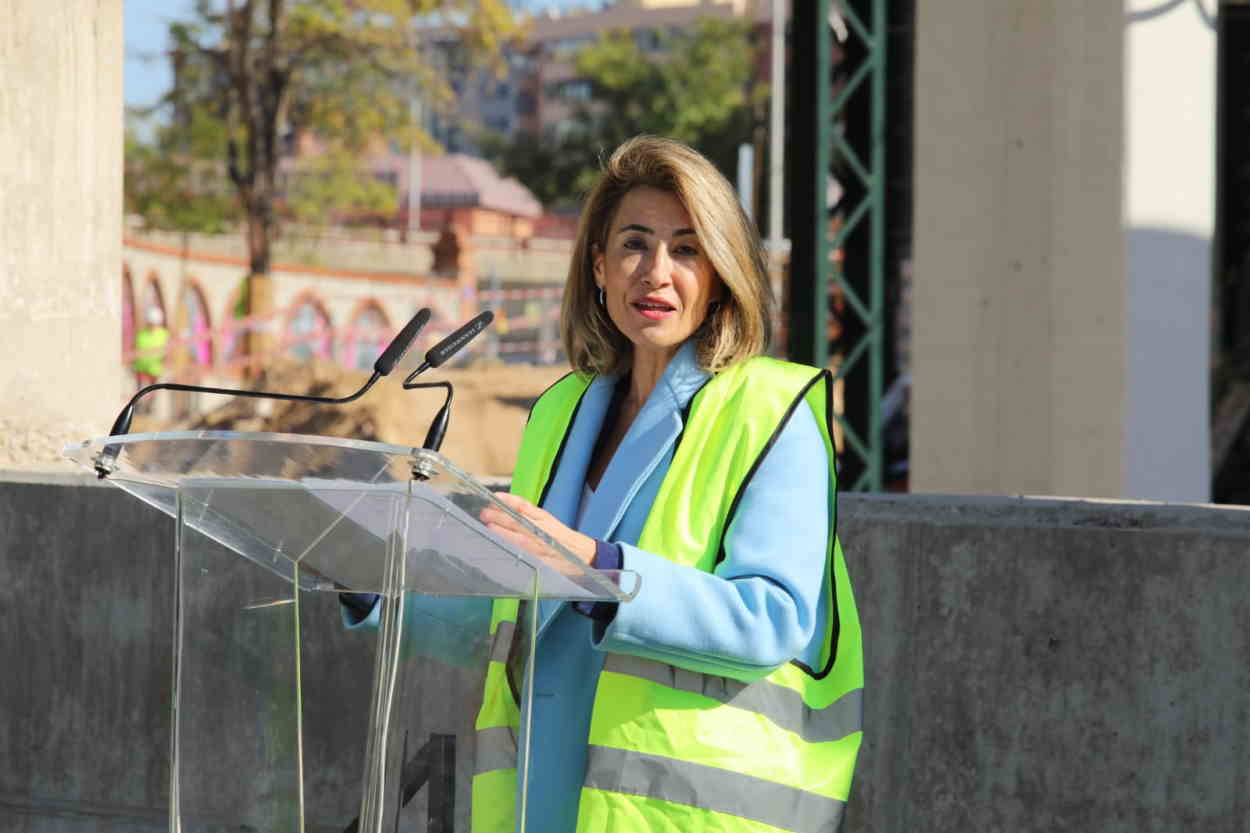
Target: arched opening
x=196, y=329
x=309, y=334
x=149, y=343
x=152, y=305
x=366, y=336
x=128, y=316
x=231, y=336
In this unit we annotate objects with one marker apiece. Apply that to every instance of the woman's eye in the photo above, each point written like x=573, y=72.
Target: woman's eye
x=636, y=243
x=687, y=251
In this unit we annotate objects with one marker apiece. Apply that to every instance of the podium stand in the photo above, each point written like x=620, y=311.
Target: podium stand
x=286, y=715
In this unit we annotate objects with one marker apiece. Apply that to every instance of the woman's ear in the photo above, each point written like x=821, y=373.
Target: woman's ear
x=596, y=261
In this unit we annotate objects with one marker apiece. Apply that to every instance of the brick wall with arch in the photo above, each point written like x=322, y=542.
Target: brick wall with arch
x=307, y=328
x=152, y=308
x=192, y=340
x=129, y=314
x=333, y=314
x=367, y=332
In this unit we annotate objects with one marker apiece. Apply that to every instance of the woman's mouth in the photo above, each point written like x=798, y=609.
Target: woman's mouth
x=653, y=309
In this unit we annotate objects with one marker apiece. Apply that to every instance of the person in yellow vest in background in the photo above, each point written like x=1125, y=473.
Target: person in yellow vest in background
x=727, y=696
x=151, y=343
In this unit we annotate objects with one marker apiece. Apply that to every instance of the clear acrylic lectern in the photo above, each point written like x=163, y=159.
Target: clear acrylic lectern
x=287, y=717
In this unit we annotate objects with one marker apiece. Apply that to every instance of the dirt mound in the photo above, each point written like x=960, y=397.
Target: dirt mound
x=487, y=417
x=36, y=445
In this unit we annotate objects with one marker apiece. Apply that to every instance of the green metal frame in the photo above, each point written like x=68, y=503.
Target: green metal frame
x=808, y=314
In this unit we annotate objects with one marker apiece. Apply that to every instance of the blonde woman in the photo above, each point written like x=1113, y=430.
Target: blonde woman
x=727, y=696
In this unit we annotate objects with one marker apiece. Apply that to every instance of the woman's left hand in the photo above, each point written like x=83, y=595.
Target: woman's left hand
x=507, y=527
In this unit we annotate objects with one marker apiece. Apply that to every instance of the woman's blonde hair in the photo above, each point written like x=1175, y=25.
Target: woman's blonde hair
x=738, y=327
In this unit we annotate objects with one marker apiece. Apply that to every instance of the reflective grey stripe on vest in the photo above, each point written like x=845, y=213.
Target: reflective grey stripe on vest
x=712, y=788
x=783, y=706
x=494, y=748
x=502, y=642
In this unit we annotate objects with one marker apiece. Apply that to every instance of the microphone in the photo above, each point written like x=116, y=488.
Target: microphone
x=435, y=357
x=401, y=342
x=385, y=363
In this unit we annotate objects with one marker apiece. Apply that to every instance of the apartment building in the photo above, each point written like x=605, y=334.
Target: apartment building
x=538, y=88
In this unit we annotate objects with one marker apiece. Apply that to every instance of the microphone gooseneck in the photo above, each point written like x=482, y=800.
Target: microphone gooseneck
x=438, y=427
x=386, y=362
x=435, y=357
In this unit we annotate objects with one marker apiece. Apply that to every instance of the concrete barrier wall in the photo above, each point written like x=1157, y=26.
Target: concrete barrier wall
x=1032, y=664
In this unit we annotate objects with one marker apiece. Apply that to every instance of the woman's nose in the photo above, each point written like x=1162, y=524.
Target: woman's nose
x=659, y=267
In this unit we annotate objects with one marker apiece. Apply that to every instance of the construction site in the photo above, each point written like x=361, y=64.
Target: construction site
x=1014, y=233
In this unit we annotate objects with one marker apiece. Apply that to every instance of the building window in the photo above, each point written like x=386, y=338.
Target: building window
x=647, y=40
x=573, y=89
x=563, y=46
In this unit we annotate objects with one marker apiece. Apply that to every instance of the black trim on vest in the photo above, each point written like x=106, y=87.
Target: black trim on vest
x=835, y=617
x=834, y=622
x=685, y=416
x=568, y=429
x=518, y=651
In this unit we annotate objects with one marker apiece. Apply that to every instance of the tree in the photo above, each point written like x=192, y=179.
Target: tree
x=332, y=188
x=696, y=87
x=169, y=181
x=265, y=71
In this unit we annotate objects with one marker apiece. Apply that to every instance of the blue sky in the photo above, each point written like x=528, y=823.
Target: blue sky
x=147, y=22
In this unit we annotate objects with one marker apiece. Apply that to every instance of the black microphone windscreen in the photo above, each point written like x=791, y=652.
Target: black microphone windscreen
x=400, y=344
x=449, y=346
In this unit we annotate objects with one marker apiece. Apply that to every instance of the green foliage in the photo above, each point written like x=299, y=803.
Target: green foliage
x=171, y=186
x=253, y=76
x=332, y=188
x=556, y=168
x=696, y=87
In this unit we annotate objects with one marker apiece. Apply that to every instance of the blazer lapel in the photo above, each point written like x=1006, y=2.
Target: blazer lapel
x=650, y=437
x=655, y=429
x=652, y=434
x=636, y=457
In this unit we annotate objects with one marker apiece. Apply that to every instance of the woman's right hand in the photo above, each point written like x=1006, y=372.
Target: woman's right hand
x=508, y=528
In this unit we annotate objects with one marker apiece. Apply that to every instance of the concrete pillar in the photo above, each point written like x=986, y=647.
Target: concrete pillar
x=60, y=225
x=1169, y=218
x=1055, y=349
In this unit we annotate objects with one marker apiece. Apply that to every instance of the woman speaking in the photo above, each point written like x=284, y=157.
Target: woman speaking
x=727, y=696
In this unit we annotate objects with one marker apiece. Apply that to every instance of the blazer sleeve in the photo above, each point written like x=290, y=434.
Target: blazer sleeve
x=761, y=607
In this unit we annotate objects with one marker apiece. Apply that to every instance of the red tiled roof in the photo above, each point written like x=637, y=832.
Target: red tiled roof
x=459, y=179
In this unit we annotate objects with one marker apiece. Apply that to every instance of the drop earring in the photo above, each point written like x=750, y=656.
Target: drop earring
x=603, y=298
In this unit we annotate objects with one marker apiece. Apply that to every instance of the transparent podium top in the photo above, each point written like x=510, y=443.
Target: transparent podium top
x=331, y=514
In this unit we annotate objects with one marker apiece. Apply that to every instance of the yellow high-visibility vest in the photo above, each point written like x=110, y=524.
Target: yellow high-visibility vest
x=672, y=749
x=150, y=343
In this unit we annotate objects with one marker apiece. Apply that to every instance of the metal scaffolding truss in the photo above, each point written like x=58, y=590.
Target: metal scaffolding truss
x=837, y=210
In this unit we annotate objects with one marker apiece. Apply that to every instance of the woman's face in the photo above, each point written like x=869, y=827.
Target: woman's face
x=657, y=279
